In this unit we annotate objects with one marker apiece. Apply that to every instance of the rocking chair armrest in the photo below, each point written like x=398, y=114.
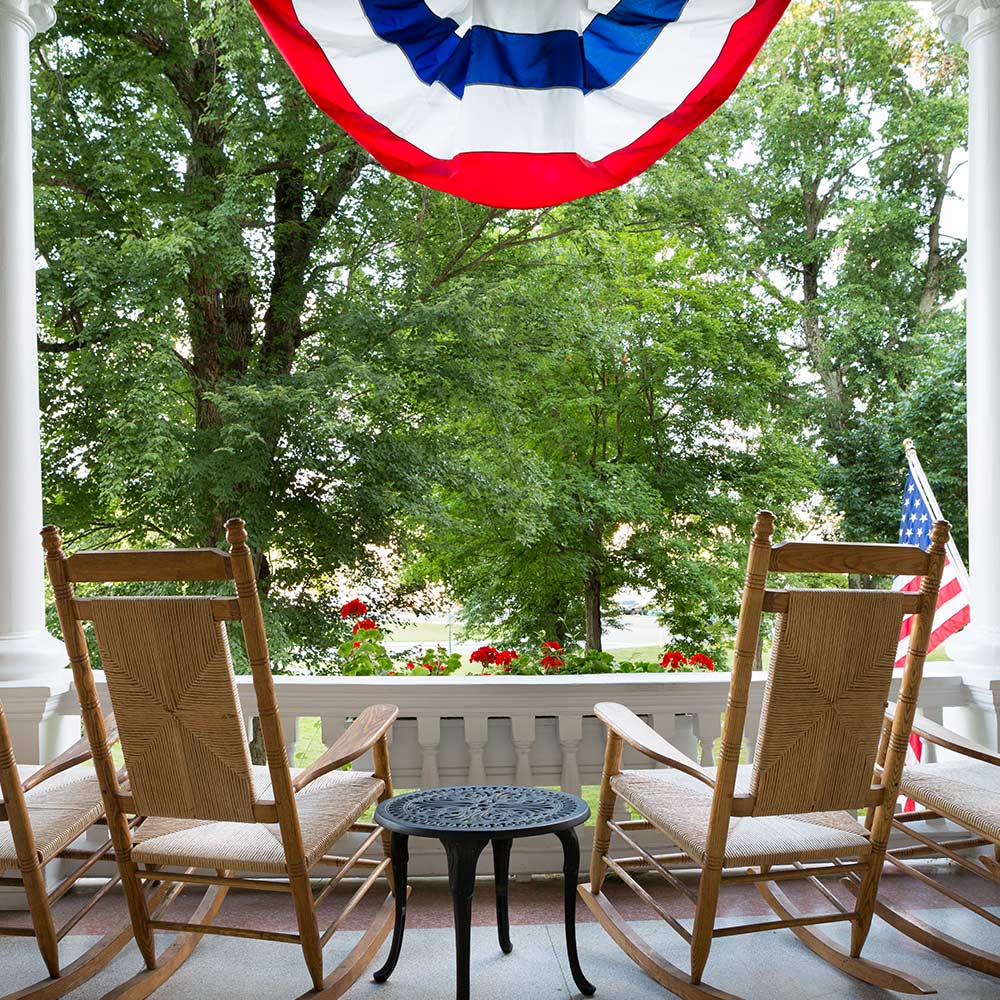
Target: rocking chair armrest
x=935, y=733
x=78, y=753
x=362, y=734
x=637, y=734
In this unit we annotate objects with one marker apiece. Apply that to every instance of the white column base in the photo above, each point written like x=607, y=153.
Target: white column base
x=979, y=720
x=976, y=646
x=37, y=729
x=35, y=658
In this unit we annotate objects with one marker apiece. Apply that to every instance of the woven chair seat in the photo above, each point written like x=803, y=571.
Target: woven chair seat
x=327, y=807
x=679, y=806
x=60, y=809
x=968, y=791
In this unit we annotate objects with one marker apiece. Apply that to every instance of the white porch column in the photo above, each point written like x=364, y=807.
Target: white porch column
x=26, y=648
x=976, y=24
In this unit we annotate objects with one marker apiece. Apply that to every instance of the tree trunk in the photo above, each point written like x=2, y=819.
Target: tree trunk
x=554, y=621
x=934, y=268
x=592, y=589
x=816, y=348
x=592, y=602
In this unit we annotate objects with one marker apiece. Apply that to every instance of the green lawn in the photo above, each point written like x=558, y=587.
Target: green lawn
x=424, y=633
x=650, y=654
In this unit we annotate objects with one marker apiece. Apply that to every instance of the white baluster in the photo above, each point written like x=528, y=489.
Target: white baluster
x=570, y=737
x=708, y=728
x=291, y=730
x=685, y=738
x=429, y=738
x=665, y=723
x=476, y=738
x=928, y=753
x=523, y=733
x=332, y=727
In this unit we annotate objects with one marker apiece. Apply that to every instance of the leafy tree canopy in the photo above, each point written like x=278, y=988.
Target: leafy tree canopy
x=242, y=314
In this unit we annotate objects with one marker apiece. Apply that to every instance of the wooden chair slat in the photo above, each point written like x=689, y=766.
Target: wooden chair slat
x=148, y=565
x=848, y=557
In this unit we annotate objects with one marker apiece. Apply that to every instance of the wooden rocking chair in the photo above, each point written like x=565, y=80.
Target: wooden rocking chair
x=966, y=792
x=792, y=814
x=203, y=812
x=42, y=812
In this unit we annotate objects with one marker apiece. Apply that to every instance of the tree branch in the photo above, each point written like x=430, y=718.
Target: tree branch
x=286, y=163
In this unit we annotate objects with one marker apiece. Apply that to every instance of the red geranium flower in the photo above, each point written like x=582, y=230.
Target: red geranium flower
x=485, y=654
x=551, y=662
x=506, y=657
x=357, y=644
x=354, y=609
x=703, y=661
x=411, y=665
x=671, y=661
x=552, y=645
x=364, y=624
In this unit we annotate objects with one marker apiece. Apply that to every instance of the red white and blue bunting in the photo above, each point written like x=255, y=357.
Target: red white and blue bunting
x=519, y=103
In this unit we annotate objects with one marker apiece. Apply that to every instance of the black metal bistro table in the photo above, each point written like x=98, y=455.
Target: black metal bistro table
x=465, y=819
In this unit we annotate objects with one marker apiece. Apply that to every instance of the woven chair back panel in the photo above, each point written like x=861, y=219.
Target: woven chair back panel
x=173, y=692
x=831, y=666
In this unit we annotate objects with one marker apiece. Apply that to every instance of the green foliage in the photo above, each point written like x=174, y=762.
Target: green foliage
x=824, y=179
x=622, y=431
x=242, y=314
x=434, y=662
x=363, y=655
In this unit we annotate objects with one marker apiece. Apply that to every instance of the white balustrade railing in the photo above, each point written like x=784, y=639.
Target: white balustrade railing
x=527, y=730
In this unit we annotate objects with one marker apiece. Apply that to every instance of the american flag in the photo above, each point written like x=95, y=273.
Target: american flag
x=953, y=599
x=918, y=516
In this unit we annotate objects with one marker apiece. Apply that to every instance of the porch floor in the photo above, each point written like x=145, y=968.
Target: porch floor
x=771, y=966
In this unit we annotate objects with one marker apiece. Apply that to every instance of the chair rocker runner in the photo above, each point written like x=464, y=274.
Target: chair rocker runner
x=42, y=813
x=967, y=793
x=203, y=812
x=792, y=814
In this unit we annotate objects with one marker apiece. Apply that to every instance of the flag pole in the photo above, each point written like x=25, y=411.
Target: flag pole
x=913, y=461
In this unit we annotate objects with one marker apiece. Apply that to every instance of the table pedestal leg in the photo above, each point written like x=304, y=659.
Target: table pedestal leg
x=571, y=870
x=400, y=855
x=501, y=873
x=462, y=858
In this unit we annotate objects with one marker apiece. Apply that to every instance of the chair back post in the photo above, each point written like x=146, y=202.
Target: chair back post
x=255, y=637
x=909, y=690
x=747, y=633
x=97, y=735
x=86, y=688
x=880, y=827
x=14, y=809
x=31, y=868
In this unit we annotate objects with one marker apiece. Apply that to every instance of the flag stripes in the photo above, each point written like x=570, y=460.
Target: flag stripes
x=519, y=105
x=952, y=612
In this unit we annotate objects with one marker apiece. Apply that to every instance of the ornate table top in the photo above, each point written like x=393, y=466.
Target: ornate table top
x=481, y=811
